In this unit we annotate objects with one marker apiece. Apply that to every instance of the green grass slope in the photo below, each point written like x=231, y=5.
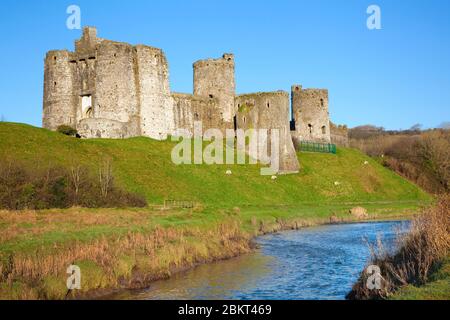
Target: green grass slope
x=144, y=166
x=438, y=288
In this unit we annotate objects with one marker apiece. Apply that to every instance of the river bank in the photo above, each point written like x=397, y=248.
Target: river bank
x=313, y=263
x=419, y=268
x=121, y=249
x=437, y=288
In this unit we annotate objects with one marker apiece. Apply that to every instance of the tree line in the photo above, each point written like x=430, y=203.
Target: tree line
x=420, y=156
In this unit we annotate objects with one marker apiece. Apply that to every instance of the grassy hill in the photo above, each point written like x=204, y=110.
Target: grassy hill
x=129, y=248
x=144, y=166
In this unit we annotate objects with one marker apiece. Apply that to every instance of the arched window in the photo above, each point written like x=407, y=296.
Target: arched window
x=321, y=103
x=310, y=128
x=89, y=113
x=324, y=130
x=86, y=106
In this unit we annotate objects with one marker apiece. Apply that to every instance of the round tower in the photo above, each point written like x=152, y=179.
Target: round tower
x=58, y=91
x=214, y=78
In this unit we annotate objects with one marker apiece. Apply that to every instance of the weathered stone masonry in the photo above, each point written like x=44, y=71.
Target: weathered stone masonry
x=108, y=89
x=310, y=113
x=269, y=110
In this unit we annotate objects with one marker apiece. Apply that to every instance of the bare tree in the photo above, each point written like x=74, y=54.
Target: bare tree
x=2, y=118
x=76, y=177
x=435, y=150
x=105, y=177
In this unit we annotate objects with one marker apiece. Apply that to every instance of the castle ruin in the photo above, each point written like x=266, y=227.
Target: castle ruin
x=109, y=89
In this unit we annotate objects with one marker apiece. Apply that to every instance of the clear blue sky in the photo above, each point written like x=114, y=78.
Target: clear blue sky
x=394, y=77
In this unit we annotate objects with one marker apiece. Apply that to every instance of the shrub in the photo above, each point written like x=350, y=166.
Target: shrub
x=420, y=252
x=57, y=187
x=423, y=158
x=67, y=130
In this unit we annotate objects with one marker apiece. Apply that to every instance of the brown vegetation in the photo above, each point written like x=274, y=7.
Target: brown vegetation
x=420, y=252
x=128, y=248
x=23, y=187
x=131, y=260
x=422, y=157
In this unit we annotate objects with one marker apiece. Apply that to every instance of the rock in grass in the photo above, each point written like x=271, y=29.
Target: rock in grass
x=359, y=212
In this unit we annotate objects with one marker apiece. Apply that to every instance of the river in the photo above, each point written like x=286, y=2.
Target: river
x=313, y=263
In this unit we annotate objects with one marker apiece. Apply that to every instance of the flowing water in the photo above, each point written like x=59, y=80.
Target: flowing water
x=312, y=263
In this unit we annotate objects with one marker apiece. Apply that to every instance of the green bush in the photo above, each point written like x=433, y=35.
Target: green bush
x=67, y=130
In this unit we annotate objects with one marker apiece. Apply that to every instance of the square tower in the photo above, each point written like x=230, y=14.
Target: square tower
x=310, y=114
x=214, y=78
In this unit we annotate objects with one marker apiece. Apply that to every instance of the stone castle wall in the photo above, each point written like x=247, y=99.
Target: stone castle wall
x=339, y=135
x=269, y=110
x=109, y=89
x=59, y=100
x=126, y=86
x=310, y=113
x=214, y=78
x=188, y=108
x=152, y=76
x=114, y=96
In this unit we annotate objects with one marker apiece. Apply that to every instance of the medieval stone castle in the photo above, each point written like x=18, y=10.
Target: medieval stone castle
x=108, y=89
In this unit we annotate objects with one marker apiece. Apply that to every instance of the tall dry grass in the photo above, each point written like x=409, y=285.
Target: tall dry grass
x=150, y=256
x=419, y=254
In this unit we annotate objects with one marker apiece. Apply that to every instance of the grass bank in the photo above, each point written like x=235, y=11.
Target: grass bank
x=437, y=288
x=130, y=248
x=420, y=267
